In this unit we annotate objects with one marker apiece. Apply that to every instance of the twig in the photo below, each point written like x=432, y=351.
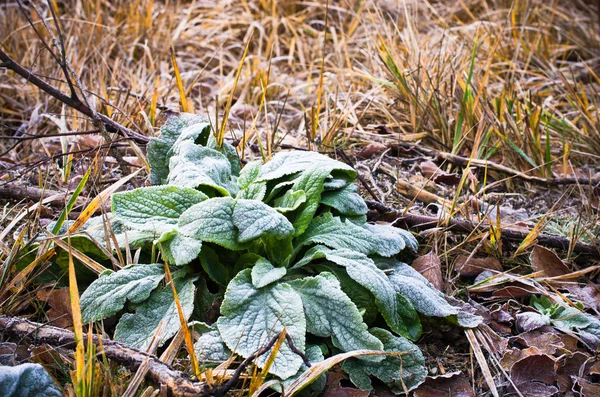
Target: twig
x=463, y=161
x=177, y=383
x=75, y=103
x=13, y=191
x=422, y=222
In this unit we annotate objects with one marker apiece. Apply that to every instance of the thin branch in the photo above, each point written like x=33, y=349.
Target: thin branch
x=422, y=222
x=75, y=103
x=463, y=161
x=178, y=383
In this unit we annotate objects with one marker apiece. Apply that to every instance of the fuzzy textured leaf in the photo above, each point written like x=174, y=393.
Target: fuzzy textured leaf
x=137, y=329
x=264, y=273
x=251, y=317
x=346, y=201
x=27, y=380
x=330, y=313
x=154, y=208
x=107, y=295
x=288, y=163
x=395, y=371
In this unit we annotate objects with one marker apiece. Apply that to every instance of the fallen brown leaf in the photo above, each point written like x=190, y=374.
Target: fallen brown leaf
x=568, y=368
x=430, y=267
x=371, y=150
x=430, y=170
x=452, y=384
x=60, y=313
x=535, y=375
x=544, y=260
x=334, y=386
x=472, y=267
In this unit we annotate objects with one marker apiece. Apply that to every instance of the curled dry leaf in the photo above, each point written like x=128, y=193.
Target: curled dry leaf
x=371, y=150
x=535, y=375
x=472, y=267
x=60, y=313
x=430, y=170
x=568, y=368
x=430, y=267
x=587, y=388
x=544, y=260
x=528, y=321
x=453, y=384
x=545, y=341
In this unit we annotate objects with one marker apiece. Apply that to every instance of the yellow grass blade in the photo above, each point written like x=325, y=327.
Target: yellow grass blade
x=184, y=104
x=186, y=332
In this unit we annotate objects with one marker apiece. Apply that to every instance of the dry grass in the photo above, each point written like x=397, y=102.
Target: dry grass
x=512, y=81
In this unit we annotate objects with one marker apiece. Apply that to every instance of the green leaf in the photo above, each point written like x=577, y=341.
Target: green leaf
x=202, y=168
x=571, y=319
x=232, y=223
x=279, y=251
x=398, y=313
x=391, y=240
x=335, y=233
x=137, y=329
x=288, y=163
x=311, y=183
x=425, y=298
x=395, y=371
x=263, y=273
x=213, y=267
x=346, y=201
x=27, y=380
x=209, y=346
x=362, y=298
x=314, y=355
x=255, y=191
x=178, y=249
x=290, y=201
x=159, y=149
x=154, y=208
x=107, y=295
x=252, y=317
x=228, y=151
x=249, y=174
x=330, y=313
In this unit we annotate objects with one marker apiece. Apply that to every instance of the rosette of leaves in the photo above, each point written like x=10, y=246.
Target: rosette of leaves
x=284, y=244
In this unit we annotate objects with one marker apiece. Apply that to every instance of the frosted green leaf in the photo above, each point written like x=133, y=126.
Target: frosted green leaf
x=232, y=223
x=392, y=238
x=332, y=183
x=387, y=239
x=200, y=167
x=330, y=313
x=571, y=319
x=160, y=149
x=136, y=238
x=253, y=218
x=255, y=191
x=290, y=201
x=288, y=163
x=362, y=298
x=178, y=249
x=277, y=190
x=154, y=208
x=346, y=201
x=314, y=355
x=213, y=267
x=228, y=151
x=209, y=346
x=395, y=371
x=335, y=233
x=252, y=317
x=311, y=183
x=398, y=313
x=425, y=298
x=212, y=221
x=107, y=295
x=27, y=380
x=137, y=329
x=263, y=273
x=249, y=174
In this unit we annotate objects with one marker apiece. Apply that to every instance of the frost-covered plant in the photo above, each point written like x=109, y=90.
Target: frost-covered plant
x=282, y=244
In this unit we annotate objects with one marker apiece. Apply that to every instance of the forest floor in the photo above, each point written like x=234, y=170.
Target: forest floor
x=474, y=124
